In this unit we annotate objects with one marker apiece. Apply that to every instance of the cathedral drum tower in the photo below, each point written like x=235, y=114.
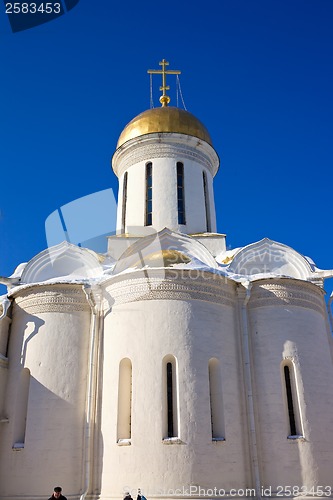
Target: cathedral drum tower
x=172, y=320
x=167, y=364
x=212, y=352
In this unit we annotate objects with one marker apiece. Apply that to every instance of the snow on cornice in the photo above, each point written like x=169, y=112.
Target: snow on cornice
x=265, y=259
x=153, y=251
x=63, y=260
x=269, y=257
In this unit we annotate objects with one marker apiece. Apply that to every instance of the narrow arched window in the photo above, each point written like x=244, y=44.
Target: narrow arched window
x=170, y=406
x=22, y=409
x=180, y=193
x=170, y=399
x=216, y=400
x=294, y=420
x=123, y=214
x=124, y=400
x=149, y=194
x=206, y=195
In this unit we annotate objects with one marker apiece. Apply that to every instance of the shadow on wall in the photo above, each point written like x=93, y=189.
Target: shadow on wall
x=52, y=451
x=33, y=327
x=47, y=436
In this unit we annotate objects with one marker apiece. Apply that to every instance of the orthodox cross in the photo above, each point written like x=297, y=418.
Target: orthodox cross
x=164, y=99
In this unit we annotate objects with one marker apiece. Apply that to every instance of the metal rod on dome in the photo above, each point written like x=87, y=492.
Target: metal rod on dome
x=164, y=99
x=181, y=93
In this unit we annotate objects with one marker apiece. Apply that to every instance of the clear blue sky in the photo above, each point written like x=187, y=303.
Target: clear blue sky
x=257, y=73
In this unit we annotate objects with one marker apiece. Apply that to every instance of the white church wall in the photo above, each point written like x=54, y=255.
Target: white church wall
x=195, y=155
x=119, y=228
x=3, y=384
x=4, y=330
x=188, y=381
x=211, y=200
x=215, y=243
x=136, y=197
x=192, y=331
x=329, y=328
x=164, y=202
x=49, y=339
x=164, y=177
x=194, y=198
x=288, y=324
x=165, y=199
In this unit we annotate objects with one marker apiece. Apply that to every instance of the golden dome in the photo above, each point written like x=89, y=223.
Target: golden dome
x=164, y=119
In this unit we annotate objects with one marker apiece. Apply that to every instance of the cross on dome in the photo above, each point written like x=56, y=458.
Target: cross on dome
x=164, y=99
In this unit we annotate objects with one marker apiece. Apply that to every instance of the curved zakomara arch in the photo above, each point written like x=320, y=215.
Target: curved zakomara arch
x=60, y=260
x=146, y=249
x=267, y=256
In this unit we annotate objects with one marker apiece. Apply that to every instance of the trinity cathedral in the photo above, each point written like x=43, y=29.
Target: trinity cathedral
x=168, y=363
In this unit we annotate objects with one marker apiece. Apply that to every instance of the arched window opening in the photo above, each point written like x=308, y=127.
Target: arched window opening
x=124, y=400
x=180, y=193
x=216, y=400
x=170, y=406
x=149, y=194
x=292, y=403
x=170, y=399
x=206, y=195
x=123, y=214
x=22, y=409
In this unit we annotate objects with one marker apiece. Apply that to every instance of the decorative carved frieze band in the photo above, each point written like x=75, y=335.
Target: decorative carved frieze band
x=148, y=149
x=287, y=292
x=173, y=285
x=52, y=298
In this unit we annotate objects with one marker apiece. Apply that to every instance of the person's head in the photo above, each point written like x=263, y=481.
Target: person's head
x=57, y=491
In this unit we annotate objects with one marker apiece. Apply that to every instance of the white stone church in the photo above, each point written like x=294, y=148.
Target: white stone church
x=168, y=364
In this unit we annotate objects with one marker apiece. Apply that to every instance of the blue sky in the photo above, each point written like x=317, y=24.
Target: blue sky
x=257, y=73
